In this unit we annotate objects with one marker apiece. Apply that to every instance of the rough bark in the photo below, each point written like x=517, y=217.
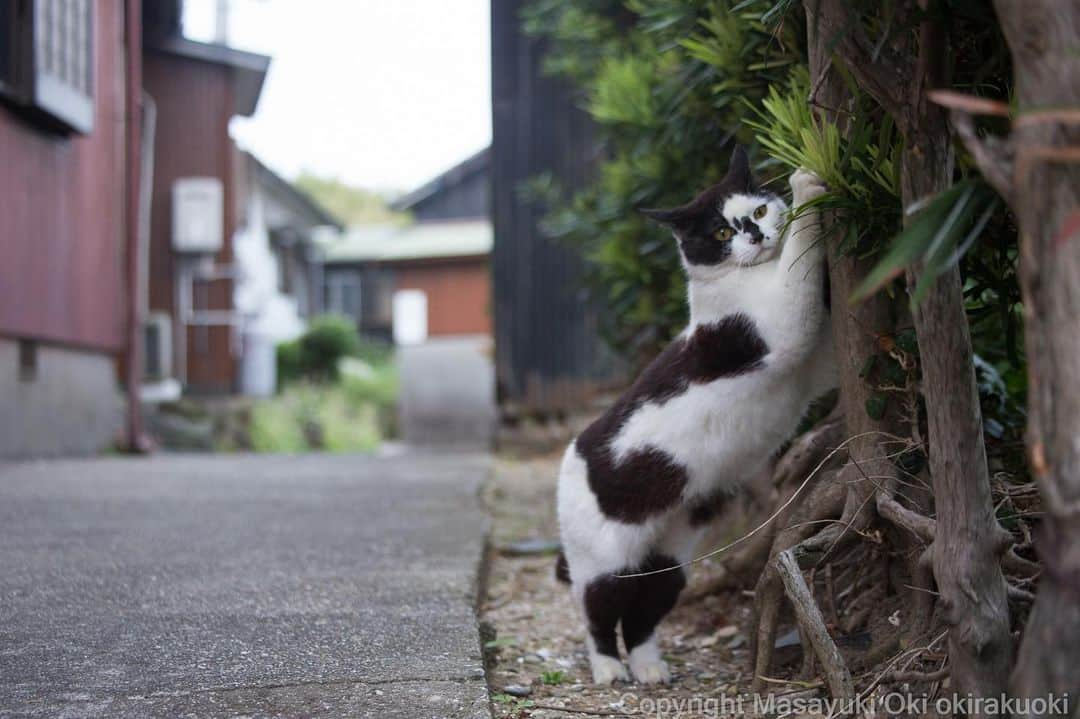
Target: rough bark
x=967, y=544
x=972, y=587
x=856, y=332
x=1045, y=194
x=856, y=329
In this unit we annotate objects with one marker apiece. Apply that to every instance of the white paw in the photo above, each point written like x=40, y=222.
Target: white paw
x=806, y=185
x=647, y=666
x=606, y=670
x=651, y=672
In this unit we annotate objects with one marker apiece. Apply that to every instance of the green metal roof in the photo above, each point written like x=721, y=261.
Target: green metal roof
x=423, y=240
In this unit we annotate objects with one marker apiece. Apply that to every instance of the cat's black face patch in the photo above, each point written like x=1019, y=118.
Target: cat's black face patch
x=649, y=481
x=699, y=242
x=706, y=236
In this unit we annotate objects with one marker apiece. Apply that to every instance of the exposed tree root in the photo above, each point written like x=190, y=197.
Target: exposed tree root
x=813, y=627
x=874, y=547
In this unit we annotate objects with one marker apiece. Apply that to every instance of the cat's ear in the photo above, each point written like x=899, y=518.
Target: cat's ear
x=738, y=174
x=672, y=218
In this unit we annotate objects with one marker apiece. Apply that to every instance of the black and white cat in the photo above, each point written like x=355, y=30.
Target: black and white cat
x=637, y=488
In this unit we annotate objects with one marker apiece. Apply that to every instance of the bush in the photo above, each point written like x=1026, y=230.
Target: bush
x=667, y=82
x=316, y=354
x=290, y=362
x=328, y=339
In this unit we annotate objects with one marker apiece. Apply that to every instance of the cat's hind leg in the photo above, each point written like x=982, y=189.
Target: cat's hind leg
x=653, y=597
x=603, y=602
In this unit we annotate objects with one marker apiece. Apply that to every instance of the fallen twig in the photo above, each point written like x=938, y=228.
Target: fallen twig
x=813, y=626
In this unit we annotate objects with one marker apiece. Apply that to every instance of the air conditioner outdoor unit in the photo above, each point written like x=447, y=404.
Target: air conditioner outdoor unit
x=197, y=214
x=157, y=350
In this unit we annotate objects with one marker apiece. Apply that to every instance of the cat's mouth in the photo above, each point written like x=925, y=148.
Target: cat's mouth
x=757, y=254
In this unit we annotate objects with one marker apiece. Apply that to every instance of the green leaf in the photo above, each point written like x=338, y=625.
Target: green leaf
x=875, y=406
x=868, y=366
x=942, y=230
x=500, y=643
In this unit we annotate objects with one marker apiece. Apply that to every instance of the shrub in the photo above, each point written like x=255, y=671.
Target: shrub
x=666, y=82
x=316, y=354
x=290, y=362
x=328, y=339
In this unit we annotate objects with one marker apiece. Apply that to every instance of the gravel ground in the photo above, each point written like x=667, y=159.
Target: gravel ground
x=536, y=639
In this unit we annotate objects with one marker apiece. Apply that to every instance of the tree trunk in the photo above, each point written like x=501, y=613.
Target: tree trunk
x=1043, y=36
x=969, y=540
x=856, y=329
x=965, y=551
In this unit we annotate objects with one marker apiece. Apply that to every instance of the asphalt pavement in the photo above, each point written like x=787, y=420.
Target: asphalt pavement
x=250, y=586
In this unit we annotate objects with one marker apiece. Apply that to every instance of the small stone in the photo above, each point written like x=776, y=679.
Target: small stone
x=531, y=547
x=791, y=639
x=517, y=690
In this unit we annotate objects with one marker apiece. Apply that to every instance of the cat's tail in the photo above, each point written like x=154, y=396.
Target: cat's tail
x=562, y=569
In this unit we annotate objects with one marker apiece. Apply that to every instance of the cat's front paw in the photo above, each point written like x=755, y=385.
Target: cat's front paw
x=805, y=186
x=606, y=670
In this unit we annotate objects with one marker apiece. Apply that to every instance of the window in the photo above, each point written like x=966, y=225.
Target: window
x=28, y=361
x=47, y=60
x=343, y=294
x=7, y=45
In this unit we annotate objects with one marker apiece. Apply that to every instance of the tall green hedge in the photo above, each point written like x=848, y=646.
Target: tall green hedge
x=672, y=84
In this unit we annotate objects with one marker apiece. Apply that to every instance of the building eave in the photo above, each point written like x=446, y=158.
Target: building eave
x=249, y=68
x=454, y=176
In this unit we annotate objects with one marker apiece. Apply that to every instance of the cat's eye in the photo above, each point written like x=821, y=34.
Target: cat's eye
x=724, y=234
x=761, y=211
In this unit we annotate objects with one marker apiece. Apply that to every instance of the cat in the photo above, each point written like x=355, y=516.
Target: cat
x=638, y=487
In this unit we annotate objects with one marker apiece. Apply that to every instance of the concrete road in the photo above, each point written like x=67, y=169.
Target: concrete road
x=447, y=391
x=241, y=586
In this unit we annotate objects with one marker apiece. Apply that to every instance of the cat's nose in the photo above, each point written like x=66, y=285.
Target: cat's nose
x=756, y=237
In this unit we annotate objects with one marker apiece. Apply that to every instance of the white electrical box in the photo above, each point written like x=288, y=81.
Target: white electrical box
x=198, y=205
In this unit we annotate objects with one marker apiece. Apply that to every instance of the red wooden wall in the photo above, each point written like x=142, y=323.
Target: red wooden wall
x=62, y=245
x=458, y=294
x=194, y=104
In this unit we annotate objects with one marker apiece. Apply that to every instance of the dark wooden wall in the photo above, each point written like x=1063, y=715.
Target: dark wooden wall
x=465, y=198
x=194, y=104
x=62, y=247
x=549, y=357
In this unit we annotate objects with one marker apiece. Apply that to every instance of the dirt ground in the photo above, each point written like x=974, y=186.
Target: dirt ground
x=535, y=639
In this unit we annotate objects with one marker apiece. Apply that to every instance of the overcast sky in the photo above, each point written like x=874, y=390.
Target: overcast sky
x=384, y=94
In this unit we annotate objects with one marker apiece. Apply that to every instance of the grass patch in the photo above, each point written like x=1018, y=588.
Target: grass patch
x=553, y=678
x=352, y=413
